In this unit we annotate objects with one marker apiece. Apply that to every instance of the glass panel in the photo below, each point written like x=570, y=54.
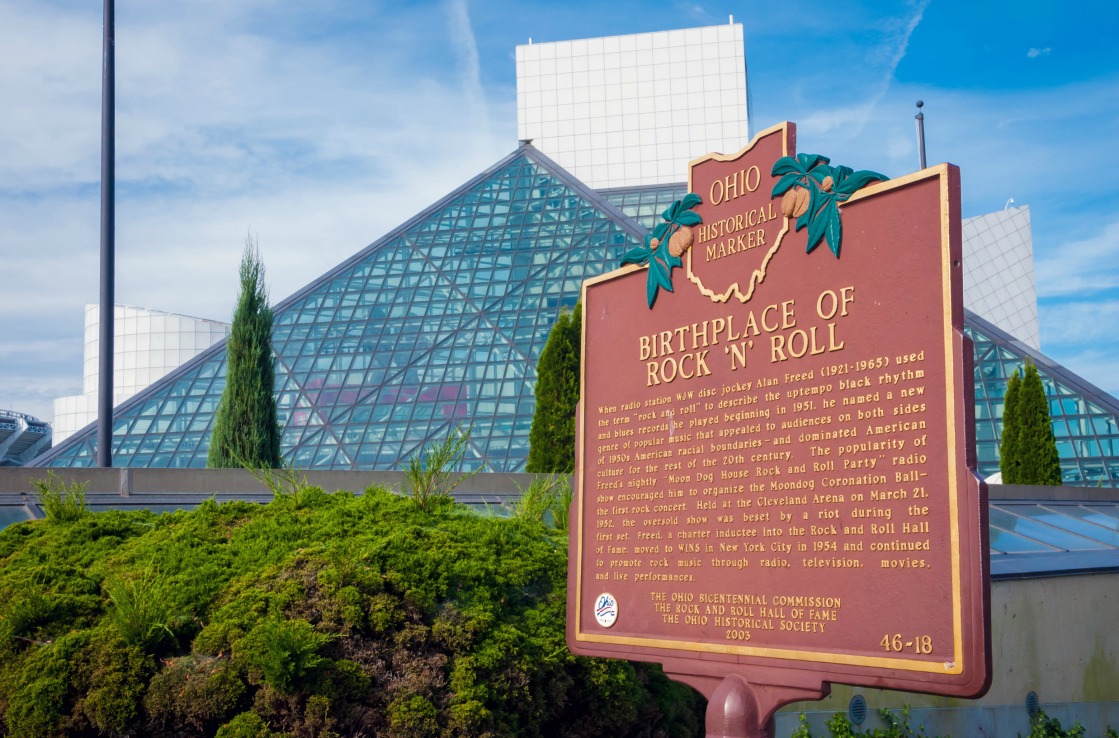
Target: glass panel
x=1041, y=532
x=1068, y=517
x=10, y=514
x=1104, y=516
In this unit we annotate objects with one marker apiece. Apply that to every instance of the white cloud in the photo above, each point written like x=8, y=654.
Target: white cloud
x=1081, y=267
x=1096, y=365
x=1035, y=53
x=462, y=38
x=1064, y=324
x=852, y=119
x=230, y=117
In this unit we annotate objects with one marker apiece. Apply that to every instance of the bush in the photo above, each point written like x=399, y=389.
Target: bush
x=431, y=475
x=138, y=610
x=839, y=726
x=897, y=726
x=285, y=652
x=1043, y=726
x=195, y=692
x=246, y=430
x=60, y=503
x=246, y=725
x=547, y=499
x=314, y=615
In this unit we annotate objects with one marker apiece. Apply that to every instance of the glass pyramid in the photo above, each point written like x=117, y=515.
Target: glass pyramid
x=645, y=204
x=438, y=324
x=1085, y=418
x=441, y=322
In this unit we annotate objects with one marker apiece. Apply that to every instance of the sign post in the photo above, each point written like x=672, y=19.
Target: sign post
x=775, y=486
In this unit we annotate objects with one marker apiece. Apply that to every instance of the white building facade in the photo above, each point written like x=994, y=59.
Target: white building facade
x=999, y=272
x=147, y=344
x=633, y=110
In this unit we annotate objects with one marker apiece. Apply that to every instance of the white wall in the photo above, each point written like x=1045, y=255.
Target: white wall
x=999, y=272
x=634, y=110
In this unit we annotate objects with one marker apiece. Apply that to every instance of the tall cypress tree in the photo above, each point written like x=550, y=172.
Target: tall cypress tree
x=1037, y=447
x=246, y=429
x=1008, y=449
x=1029, y=449
x=551, y=441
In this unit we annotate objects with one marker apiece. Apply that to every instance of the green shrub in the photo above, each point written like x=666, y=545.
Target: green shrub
x=246, y=430
x=536, y=500
x=897, y=725
x=195, y=693
x=1043, y=726
x=246, y=725
x=113, y=676
x=21, y=616
x=547, y=500
x=40, y=694
x=139, y=610
x=561, y=506
x=60, y=503
x=1028, y=451
x=286, y=652
x=413, y=717
x=432, y=473
x=282, y=482
x=314, y=615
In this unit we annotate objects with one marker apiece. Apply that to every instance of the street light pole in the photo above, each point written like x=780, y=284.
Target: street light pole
x=921, y=132
x=108, y=257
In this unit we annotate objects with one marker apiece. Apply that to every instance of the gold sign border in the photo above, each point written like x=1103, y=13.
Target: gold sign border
x=955, y=461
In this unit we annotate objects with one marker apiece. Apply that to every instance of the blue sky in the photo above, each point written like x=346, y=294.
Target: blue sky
x=320, y=126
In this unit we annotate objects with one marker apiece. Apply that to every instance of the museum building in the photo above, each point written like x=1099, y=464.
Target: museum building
x=440, y=323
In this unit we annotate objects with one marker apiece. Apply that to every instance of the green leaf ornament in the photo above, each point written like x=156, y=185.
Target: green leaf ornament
x=822, y=218
x=661, y=262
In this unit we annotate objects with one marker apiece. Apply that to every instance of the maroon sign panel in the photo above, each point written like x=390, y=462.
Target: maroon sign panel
x=776, y=469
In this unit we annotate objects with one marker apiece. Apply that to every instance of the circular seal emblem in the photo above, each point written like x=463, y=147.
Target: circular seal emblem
x=606, y=609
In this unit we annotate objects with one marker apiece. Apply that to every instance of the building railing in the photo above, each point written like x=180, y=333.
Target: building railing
x=31, y=419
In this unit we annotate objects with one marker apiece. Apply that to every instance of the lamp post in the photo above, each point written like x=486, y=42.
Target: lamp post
x=921, y=132
x=108, y=225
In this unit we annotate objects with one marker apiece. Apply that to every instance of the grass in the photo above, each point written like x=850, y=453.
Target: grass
x=60, y=503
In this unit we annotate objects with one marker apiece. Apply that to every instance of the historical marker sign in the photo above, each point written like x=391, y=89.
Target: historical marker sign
x=776, y=468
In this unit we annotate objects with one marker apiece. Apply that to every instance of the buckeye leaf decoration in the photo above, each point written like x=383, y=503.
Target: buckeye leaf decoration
x=657, y=250
x=827, y=187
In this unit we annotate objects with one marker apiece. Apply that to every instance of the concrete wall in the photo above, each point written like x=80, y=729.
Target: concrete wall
x=121, y=480
x=1056, y=637
x=106, y=486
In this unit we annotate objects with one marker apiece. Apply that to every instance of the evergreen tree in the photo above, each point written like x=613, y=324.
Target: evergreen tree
x=551, y=440
x=246, y=429
x=1029, y=449
x=1037, y=447
x=1008, y=449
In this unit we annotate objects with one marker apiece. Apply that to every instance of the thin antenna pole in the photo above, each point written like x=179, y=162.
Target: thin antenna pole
x=108, y=257
x=921, y=132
